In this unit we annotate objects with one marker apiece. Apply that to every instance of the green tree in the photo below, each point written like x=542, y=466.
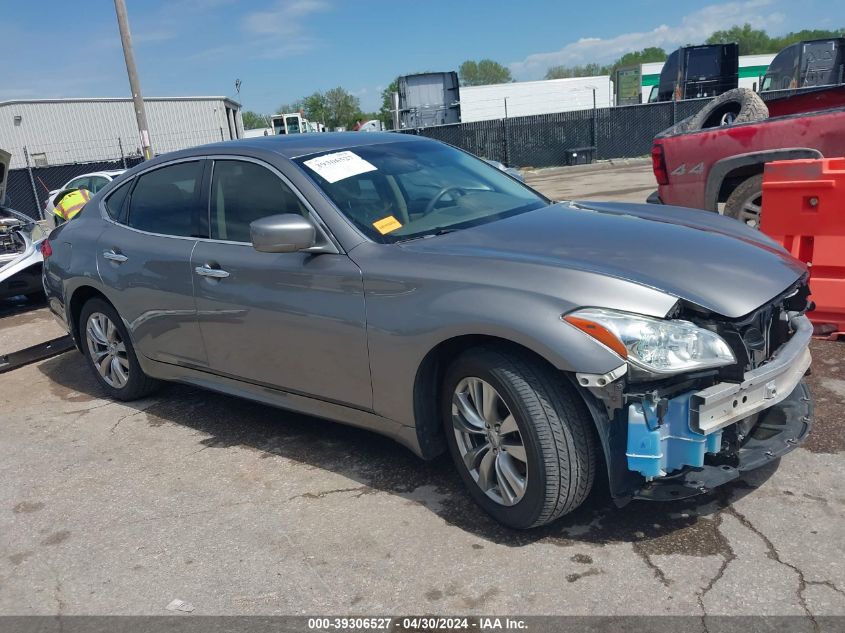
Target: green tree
x=293, y=106
x=756, y=41
x=254, y=120
x=385, y=113
x=646, y=55
x=751, y=41
x=316, y=107
x=783, y=41
x=342, y=108
x=483, y=72
x=587, y=70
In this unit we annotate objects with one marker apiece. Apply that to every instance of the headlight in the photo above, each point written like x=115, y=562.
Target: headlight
x=658, y=346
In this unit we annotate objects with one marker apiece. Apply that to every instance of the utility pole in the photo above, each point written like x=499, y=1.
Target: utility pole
x=134, y=85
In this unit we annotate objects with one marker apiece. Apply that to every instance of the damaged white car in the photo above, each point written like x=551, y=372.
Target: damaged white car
x=20, y=247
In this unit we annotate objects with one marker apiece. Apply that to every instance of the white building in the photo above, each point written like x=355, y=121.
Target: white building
x=62, y=131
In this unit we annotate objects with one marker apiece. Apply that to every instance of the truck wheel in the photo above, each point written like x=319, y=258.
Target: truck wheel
x=746, y=201
x=520, y=436
x=110, y=354
x=739, y=105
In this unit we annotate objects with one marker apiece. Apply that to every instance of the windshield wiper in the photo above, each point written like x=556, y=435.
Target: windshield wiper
x=442, y=230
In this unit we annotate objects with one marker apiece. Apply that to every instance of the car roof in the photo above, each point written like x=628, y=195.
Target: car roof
x=296, y=145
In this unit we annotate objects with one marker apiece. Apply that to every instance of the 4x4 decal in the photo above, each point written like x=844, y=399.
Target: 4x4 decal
x=681, y=169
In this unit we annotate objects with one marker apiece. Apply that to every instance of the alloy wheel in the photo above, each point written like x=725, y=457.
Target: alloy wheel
x=749, y=212
x=107, y=350
x=489, y=441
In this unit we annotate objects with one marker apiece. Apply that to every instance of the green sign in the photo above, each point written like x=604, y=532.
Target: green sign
x=628, y=86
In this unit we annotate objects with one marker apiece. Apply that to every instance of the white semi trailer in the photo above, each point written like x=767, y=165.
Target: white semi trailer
x=526, y=98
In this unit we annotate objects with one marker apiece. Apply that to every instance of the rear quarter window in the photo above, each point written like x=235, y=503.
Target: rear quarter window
x=116, y=199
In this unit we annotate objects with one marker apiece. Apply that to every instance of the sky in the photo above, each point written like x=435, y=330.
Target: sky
x=282, y=50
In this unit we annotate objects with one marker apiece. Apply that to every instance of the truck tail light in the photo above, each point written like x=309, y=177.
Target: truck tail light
x=46, y=249
x=658, y=164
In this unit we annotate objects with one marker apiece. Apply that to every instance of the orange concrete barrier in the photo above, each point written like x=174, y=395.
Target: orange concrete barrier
x=804, y=209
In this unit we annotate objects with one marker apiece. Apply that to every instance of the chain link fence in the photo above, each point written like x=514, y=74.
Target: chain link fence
x=28, y=188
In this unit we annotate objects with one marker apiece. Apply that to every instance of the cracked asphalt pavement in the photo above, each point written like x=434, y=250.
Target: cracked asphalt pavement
x=239, y=508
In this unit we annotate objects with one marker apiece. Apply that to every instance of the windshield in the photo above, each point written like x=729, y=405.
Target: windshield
x=703, y=63
x=293, y=125
x=409, y=189
x=783, y=69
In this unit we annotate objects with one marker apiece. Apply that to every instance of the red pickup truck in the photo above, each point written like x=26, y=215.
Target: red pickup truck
x=703, y=168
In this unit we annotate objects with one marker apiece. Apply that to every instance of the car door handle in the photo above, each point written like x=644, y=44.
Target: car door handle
x=207, y=271
x=114, y=256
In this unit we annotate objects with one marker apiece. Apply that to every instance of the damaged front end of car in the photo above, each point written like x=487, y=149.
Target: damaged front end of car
x=20, y=255
x=700, y=398
x=20, y=246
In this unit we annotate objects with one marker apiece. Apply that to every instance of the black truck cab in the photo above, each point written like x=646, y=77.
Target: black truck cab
x=692, y=72
x=806, y=64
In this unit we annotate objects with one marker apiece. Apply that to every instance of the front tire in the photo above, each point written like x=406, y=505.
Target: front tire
x=520, y=436
x=111, y=357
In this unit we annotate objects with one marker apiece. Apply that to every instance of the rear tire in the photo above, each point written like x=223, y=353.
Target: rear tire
x=544, y=436
x=746, y=202
x=111, y=357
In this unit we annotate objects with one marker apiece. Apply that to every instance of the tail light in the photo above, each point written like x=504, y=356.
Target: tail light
x=46, y=249
x=658, y=164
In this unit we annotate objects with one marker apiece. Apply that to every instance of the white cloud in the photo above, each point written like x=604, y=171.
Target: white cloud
x=277, y=32
x=284, y=19
x=693, y=29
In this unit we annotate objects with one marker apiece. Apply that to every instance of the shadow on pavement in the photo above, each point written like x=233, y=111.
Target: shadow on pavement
x=380, y=465
x=17, y=305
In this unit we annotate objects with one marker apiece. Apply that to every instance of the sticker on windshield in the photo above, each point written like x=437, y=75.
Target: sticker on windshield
x=339, y=165
x=387, y=225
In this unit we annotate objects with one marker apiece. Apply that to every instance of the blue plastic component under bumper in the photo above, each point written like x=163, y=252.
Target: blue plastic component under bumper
x=656, y=449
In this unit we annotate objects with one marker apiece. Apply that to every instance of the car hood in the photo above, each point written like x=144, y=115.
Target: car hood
x=702, y=257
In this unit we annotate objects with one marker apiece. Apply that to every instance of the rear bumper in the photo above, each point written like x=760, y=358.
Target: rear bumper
x=781, y=429
x=654, y=198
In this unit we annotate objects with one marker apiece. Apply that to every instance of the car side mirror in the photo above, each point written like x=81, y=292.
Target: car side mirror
x=284, y=233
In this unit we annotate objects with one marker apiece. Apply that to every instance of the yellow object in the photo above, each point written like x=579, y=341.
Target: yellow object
x=72, y=203
x=387, y=225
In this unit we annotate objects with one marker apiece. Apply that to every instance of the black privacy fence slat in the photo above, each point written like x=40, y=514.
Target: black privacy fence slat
x=19, y=187
x=564, y=138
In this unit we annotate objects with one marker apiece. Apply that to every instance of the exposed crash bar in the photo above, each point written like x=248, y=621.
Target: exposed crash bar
x=725, y=403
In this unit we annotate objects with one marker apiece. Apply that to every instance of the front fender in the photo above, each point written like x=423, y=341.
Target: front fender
x=403, y=328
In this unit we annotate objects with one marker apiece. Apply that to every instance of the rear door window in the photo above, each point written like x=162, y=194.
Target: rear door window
x=166, y=200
